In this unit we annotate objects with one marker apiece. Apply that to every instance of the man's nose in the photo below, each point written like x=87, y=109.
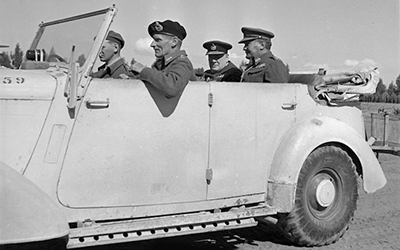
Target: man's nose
x=152, y=44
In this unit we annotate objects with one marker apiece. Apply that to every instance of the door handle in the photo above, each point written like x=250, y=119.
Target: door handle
x=95, y=104
x=289, y=106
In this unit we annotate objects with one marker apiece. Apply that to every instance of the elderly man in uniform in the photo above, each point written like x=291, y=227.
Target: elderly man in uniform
x=221, y=68
x=114, y=65
x=172, y=70
x=263, y=65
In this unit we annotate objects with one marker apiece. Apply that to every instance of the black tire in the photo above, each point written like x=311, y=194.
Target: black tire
x=326, y=198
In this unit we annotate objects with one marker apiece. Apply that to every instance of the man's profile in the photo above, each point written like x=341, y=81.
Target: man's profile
x=114, y=65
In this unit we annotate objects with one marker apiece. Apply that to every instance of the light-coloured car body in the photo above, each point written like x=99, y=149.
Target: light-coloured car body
x=121, y=162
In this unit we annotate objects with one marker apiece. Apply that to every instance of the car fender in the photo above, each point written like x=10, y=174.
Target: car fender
x=301, y=140
x=27, y=214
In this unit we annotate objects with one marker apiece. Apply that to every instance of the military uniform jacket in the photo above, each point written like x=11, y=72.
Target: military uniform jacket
x=267, y=68
x=113, y=71
x=230, y=73
x=169, y=74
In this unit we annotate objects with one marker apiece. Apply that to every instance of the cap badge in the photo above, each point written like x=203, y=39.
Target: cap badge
x=158, y=26
x=213, y=47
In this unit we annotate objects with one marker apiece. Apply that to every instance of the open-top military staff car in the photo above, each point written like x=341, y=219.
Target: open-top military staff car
x=88, y=161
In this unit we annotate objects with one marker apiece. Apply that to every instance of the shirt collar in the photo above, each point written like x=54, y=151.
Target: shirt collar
x=226, y=68
x=113, y=65
x=256, y=61
x=169, y=58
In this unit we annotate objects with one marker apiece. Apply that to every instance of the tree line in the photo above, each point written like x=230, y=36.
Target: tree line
x=390, y=94
x=12, y=60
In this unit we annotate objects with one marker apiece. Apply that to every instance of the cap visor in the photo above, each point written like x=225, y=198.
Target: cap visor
x=215, y=53
x=247, y=39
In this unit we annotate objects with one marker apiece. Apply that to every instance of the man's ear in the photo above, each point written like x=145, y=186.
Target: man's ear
x=262, y=44
x=174, y=41
x=116, y=47
x=266, y=44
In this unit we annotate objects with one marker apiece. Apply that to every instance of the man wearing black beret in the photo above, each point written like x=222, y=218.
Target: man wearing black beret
x=114, y=65
x=263, y=66
x=221, y=69
x=172, y=70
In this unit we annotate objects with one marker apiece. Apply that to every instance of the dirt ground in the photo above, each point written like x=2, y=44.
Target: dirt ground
x=376, y=225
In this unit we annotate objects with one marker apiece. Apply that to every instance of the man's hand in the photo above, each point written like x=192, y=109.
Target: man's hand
x=137, y=67
x=123, y=76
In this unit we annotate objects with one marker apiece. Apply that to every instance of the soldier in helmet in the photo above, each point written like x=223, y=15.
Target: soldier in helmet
x=172, y=70
x=114, y=65
x=263, y=66
x=221, y=68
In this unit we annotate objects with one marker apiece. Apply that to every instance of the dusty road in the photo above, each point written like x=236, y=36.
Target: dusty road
x=376, y=225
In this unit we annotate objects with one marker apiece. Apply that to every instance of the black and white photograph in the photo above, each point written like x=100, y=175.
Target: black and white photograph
x=199, y=124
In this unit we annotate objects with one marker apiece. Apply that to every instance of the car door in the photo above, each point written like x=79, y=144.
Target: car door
x=131, y=146
x=247, y=121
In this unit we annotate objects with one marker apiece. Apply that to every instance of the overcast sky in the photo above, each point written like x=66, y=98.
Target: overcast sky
x=338, y=35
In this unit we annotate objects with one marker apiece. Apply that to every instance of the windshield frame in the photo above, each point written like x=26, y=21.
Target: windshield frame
x=110, y=13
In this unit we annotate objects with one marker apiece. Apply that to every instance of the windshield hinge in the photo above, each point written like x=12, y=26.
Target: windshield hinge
x=210, y=99
x=209, y=175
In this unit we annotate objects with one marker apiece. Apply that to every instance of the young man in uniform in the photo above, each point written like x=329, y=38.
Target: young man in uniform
x=221, y=69
x=263, y=66
x=172, y=70
x=114, y=65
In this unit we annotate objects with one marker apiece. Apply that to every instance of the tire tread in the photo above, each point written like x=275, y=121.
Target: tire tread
x=293, y=226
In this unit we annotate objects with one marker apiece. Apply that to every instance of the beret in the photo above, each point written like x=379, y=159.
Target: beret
x=250, y=34
x=167, y=27
x=216, y=47
x=115, y=37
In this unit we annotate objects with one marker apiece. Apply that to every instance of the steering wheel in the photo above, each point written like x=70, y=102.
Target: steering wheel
x=55, y=58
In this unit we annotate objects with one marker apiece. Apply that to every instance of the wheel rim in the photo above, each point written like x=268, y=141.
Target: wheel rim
x=324, y=192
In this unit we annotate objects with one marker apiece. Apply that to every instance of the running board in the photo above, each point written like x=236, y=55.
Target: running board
x=166, y=226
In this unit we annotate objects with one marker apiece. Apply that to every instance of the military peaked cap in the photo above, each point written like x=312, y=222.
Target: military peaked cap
x=250, y=34
x=115, y=37
x=167, y=27
x=216, y=47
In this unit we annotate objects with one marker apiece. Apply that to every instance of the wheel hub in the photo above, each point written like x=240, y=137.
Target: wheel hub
x=325, y=193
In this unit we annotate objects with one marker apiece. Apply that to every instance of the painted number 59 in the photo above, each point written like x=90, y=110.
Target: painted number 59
x=11, y=80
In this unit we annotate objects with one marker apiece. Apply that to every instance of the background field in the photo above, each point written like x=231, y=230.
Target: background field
x=394, y=122
x=368, y=107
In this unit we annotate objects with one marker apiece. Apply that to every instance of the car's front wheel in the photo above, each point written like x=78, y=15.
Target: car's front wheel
x=326, y=198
